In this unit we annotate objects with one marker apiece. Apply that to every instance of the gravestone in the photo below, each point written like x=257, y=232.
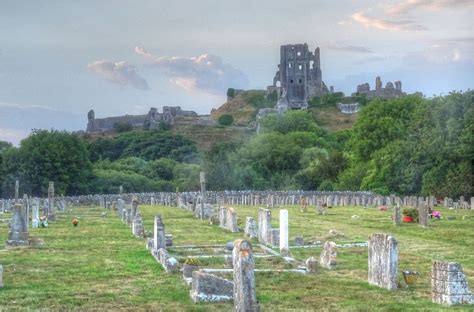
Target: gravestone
x=423, y=215
x=232, y=220
x=245, y=297
x=50, y=213
x=222, y=217
x=397, y=216
x=299, y=240
x=264, y=225
x=274, y=237
x=26, y=210
x=18, y=234
x=312, y=265
x=159, y=238
x=137, y=227
x=1, y=276
x=383, y=261
x=35, y=214
x=328, y=255
x=251, y=228
x=17, y=190
x=284, y=250
x=202, y=180
x=207, y=287
x=449, y=285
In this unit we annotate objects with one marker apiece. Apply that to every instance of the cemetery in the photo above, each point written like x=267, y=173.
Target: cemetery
x=241, y=251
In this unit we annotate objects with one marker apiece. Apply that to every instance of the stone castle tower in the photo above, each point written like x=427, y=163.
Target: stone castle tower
x=299, y=76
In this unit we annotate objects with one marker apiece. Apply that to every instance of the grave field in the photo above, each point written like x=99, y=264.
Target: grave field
x=101, y=265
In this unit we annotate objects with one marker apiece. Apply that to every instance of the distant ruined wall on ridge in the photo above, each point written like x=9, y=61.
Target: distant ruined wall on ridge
x=391, y=90
x=150, y=120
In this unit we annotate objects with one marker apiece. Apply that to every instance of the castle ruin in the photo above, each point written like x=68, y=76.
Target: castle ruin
x=148, y=121
x=390, y=91
x=299, y=76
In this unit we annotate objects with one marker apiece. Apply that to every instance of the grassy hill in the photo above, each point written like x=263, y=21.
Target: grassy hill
x=244, y=107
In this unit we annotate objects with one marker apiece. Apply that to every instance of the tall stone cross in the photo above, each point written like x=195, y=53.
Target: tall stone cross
x=245, y=296
x=17, y=190
x=202, y=180
x=51, y=197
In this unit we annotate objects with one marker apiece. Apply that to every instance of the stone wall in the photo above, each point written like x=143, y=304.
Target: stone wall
x=390, y=91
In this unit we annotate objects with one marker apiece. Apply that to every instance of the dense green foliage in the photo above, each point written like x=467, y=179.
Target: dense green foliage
x=225, y=120
x=47, y=156
x=405, y=146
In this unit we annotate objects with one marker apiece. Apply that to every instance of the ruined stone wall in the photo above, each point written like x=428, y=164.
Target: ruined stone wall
x=390, y=91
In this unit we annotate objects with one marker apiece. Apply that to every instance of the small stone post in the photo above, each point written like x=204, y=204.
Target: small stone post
x=245, y=297
x=284, y=250
x=328, y=255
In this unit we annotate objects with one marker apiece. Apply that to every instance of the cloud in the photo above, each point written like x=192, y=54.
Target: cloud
x=120, y=73
x=444, y=52
x=205, y=72
x=349, y=48
x=12, y=135
x=408, y=5
x=382, y=24
x=142, y=51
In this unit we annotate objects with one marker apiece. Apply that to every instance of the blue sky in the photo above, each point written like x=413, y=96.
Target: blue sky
x=59, y=59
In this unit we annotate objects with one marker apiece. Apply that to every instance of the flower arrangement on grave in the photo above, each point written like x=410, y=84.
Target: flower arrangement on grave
x=410, y=215
x=43, y=221
x=75, y=221
x=192, y=261
x=436, y=214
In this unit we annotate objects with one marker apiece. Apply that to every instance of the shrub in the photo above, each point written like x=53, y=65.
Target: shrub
x=225, y=120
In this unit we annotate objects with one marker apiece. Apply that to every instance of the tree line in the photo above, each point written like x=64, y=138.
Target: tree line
x=410, y=146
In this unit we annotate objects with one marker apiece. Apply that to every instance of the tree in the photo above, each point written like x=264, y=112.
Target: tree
x=225, y=120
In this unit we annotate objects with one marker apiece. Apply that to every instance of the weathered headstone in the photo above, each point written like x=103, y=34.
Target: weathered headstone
x=137, y=226
x=231, y=223
x=1, y=276
x=17, y=190
x=35, y=214
x=26, y=210
x=449, y=285
x=284, y=250
x=159, y=238
x=423, y=215
x=383, y=261
x=245, y=297
x=264, y=225
x=397, y=216
x=207, y=287
x=328, y=255
x=18, y=234
x=312, y=265
x=251, y=228
x=50, y=214
x=299, y=240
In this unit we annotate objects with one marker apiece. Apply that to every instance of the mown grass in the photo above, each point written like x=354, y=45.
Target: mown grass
x=100, y=265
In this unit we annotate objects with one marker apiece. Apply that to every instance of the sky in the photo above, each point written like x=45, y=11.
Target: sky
x=59, y=59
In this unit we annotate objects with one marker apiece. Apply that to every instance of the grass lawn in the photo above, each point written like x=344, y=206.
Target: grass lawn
x=101, y=265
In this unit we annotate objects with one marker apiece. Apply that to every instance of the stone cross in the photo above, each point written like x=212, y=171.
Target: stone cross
x=328, y=255
x=202, y=180
x=18, y=234
x=383, y=261
x=17, y=190
x=26, y=210
x=397, y=215
x=284, y=250
x=159, y=239
x=51, y=200
x=448, y=284
x=245, y=297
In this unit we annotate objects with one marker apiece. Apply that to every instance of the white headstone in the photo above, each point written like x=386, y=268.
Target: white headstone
x=284, y=231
